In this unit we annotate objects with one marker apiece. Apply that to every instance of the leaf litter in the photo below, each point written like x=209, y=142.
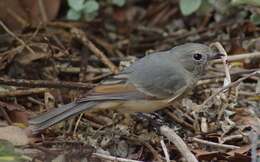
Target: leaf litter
x=50, y=64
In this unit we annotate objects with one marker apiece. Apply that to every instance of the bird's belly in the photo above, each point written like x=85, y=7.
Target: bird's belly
x=133, y=106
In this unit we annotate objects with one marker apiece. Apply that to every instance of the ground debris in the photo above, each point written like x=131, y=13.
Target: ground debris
x=55, y=62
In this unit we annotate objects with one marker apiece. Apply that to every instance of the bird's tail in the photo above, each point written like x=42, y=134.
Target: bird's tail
x=54, y=116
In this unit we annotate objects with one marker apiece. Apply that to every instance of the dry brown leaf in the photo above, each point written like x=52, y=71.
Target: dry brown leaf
x=16, y=112
x=208, y=156
x=11, y=106
x=241, y=150
x=19, y=116
x=19, y=13
x=239, y=158
x=244, y=117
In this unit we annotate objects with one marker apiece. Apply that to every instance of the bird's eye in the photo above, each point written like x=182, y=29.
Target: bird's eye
x=197, y=56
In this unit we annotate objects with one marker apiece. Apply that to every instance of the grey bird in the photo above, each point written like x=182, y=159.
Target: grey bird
x=151, y=83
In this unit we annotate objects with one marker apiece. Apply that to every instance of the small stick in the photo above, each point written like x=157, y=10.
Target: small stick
x=165, y=151
x=179, y=120
x=235, y=73
x=16, y=93
x=239, y=57
x=228, y=86
x=221, y=49
x=45, y=83
x=17, y=17
x=77, y=124
x=253, y=137
x=179, y=143
x=42, y=11
x=113, y=158
x=214, y=144
x=231, y=138
x=17, y=38
x=81, y=35
x=156, y=155
x=76, y=70
x=35, y=101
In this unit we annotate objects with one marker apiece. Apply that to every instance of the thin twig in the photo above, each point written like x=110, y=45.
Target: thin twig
x=179, y=120
x=45, y=83
x=227, y=79
x=17, y=17
x=113, y=158
x=17, y=38
x=254, y=144
x=16, y=93
x=42, y=11
x=232, y=73
x=221, y=49
x=77, y=124
x=214, y=144
x=230, y=138
x=76, y=70
x=179, y=143
x=239, y=57
x=82, y=36
x=165, y=151
x=155, y=153
x=228, y=86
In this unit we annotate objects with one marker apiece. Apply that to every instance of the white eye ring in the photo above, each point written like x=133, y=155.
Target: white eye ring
x=197, y=56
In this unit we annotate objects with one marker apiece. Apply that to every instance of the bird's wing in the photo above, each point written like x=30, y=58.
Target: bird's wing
x=159, y=76
x=116, y=87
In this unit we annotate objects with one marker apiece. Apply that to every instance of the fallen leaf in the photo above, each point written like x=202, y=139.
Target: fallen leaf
x=16, y=112
x=8, y=152
x=208, y=156
x=11, y=106
x=239, y=158
x=15, y=135
x=241, y=150
x=19, y=116
x=19, y=13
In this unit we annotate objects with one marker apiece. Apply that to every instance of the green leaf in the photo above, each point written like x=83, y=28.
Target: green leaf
x=6, y=148
x=90, y=6
x=189, y=6
x=7, y=152
x=119, y=3
x=7, y=158
x=248, y=2
x=255, y=18
x=73, y=15
x=76, y=5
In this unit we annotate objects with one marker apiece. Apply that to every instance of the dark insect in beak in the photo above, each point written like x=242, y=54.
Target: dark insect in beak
x=216, y=56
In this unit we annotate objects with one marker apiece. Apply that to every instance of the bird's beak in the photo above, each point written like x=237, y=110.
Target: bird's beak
x=216, y=56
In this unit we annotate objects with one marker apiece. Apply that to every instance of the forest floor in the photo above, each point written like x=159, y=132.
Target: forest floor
x=55, y=62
